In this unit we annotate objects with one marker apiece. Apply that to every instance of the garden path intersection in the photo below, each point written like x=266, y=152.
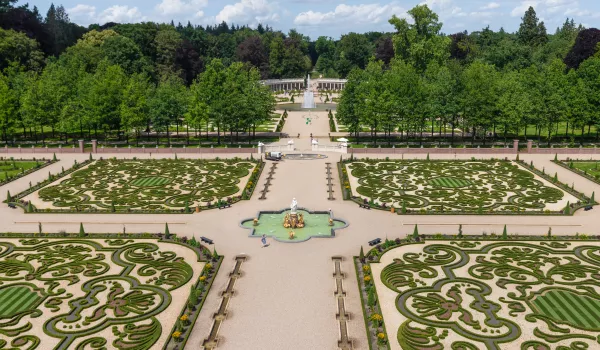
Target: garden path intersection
x=284, y=296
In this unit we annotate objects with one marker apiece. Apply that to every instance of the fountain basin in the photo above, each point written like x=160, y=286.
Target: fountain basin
x=270, y=223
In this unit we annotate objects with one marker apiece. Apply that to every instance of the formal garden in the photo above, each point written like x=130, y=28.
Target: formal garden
x=12, y=169
x=457, y=187
x=503, y=292
x=63, y=291
x=145, y=186
x=589, y=169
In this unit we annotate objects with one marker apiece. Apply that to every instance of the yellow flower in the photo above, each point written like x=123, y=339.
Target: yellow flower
x=366, y=268
x=377, y=317
x=176, y=334
x=367, y=279
x=202, y=278
x=184, y=318
x=208, y=266
x=381, y=336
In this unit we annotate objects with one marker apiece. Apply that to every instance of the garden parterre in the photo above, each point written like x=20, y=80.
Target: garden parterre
x=131, y=184
x=453, y=186
x=489, y=295
x=89, y=293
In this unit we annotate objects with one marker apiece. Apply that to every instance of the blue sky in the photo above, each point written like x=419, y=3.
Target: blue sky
x=328, y=17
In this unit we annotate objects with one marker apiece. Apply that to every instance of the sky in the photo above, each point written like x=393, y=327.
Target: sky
x=328, y=17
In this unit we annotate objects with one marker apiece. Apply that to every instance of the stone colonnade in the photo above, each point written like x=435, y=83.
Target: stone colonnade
x=331, y=86
x=287, y=86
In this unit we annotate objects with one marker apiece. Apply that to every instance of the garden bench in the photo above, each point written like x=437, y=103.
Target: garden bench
x=206, y=240
x=366, y=206
x=588, y=208
x=376, y=241
x=12, y=206
x=225, y=205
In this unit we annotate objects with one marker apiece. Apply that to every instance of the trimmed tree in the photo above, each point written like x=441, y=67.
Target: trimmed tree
x=555, y=179
x=568, y=208
x=592, y=200
x=29, y=207
x=549, y=232
x=112, y=206
x=415, y=234
x=81, y=230
x=8, y=197
x=215, y=256
x=460, y=232
x=371, y=300
x=361, y=256
x=54, y=157
x=555, y=157
x=504, y=233
x=167, y=233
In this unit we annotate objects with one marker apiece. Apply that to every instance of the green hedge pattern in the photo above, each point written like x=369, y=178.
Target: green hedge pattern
x=76, y=288
x=465, y=290
x=451, y=186
x=123, y=185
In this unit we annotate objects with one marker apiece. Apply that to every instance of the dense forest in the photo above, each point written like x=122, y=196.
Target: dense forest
x=61, y=81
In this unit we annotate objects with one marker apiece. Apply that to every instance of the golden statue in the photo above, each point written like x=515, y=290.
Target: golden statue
x=330, y=222
x=300, y=221
x=291, y=235
x=286, y=221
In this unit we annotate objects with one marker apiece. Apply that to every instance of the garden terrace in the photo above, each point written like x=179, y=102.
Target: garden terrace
x=477, y=294
x=118, y=293
x=149, y=186
x=460, y=187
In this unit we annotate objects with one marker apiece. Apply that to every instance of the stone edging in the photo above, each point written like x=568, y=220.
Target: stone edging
x=212, y=341
x=345, y=343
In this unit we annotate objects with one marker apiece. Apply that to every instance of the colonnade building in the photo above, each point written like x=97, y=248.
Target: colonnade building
x=299, y=84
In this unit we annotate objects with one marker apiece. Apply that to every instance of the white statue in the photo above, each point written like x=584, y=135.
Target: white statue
x=294, y=206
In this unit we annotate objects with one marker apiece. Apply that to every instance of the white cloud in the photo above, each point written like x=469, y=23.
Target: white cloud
x=82, y=13
x=491, y=6
x=86, y=14
x=351, y=14
x=180, y=7
x=251, y=12
x=120, y=14
x=520, y=10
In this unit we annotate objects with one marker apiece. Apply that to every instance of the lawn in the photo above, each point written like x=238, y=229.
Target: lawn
x=483, y=294
x=420, y=186
x=73, y=293
x=590, y=168
x=149, y=185
x=10, y=168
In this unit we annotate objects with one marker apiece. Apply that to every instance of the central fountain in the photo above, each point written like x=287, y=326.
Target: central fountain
x=293, y=219
x=309, y=97
x=289, y=225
